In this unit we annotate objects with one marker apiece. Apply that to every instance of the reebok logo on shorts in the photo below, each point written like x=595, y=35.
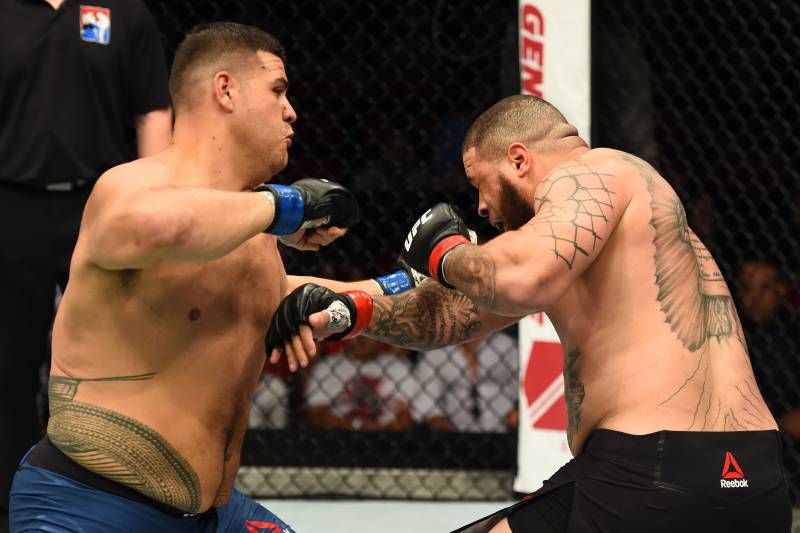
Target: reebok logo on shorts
x=732, y=475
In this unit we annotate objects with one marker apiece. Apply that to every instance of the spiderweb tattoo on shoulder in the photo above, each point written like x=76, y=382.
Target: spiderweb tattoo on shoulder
x=574, y=205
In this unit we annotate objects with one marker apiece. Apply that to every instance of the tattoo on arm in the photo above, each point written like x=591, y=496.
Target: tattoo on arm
x=430, y=316
x=472, y=270
x=575, y=203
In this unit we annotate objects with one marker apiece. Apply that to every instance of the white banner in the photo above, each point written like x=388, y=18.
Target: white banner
x=554, y=62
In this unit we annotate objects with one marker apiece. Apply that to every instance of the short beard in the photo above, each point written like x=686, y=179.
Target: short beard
x=514, y=210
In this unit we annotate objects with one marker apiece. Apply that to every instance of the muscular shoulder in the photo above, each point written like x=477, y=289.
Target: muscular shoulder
x=600, y=177
x=126, y=179
x=615, y=164
x=601, y=171
x=145, y=172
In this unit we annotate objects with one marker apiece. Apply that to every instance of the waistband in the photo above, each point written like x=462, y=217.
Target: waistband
x=46, y=455
x=650, y=447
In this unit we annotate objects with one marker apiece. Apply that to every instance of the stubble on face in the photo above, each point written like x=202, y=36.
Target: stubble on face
x=514, y=210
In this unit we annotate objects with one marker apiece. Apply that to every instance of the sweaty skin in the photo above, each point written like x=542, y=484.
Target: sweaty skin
x=153, y=369
x=651, y=337
x=158, y=343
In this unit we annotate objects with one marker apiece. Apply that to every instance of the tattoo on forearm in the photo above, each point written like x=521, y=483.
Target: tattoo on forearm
x=430, y=316
x=473, y=271
x=119, y=447
x=574, y=204
x=574, y=392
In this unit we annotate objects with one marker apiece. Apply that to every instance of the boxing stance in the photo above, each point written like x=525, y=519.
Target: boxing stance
x=664, y=418
x=158, y=343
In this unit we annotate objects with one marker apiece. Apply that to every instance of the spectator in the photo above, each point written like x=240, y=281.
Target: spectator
x=82, y=88
x=368, y=386
x=771, y=333
x=472, y=387
x=771, y=330
x=762, y=293
x=790, y=426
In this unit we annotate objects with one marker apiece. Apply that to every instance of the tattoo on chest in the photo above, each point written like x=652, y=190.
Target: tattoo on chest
x=574, y=204
x=574, y=393
x=119, y=447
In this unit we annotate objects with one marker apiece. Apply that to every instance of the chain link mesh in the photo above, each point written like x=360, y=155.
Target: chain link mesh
x=704, y=91
x=385, y=91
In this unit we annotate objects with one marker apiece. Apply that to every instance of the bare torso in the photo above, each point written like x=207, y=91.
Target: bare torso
x=651, y=337
x=153, y=370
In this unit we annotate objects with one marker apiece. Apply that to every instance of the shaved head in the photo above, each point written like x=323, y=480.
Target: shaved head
x=520, y=118
x=209, y=48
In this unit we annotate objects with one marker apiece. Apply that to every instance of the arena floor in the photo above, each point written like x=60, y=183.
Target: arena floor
x=390, y=516
x=386, y=516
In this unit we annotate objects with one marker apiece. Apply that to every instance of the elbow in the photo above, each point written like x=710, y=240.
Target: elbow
x=528, y=290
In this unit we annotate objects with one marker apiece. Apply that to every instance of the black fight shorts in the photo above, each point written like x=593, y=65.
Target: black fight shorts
x=670, y=482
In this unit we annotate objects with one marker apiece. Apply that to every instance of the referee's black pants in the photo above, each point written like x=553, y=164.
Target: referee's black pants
x=38, y=230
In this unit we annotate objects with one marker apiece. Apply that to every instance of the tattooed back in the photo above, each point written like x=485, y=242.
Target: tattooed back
x=651, y=336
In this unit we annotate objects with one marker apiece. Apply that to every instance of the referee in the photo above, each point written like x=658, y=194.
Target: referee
x=82, y=88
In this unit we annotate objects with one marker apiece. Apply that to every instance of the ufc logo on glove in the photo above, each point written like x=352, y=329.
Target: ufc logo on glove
x=426, y=216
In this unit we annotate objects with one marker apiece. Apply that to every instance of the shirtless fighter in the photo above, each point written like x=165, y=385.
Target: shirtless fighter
x=158, y=343
x=665, y=420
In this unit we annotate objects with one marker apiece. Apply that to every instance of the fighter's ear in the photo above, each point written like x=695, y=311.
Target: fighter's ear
x=224, y=90
x=520, y=158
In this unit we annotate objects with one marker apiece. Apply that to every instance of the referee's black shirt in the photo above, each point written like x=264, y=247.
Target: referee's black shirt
x=72, y=82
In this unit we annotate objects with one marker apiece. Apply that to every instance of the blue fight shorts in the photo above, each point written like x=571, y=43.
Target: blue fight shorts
x=43, y=500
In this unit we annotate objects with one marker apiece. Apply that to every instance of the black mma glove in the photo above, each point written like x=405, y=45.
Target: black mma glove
x=351, y=307
x=437, y=232
x=403, y=279
x=307, y=200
